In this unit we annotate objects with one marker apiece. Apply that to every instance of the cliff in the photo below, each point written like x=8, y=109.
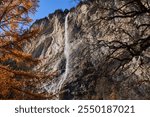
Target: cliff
x=100, y=50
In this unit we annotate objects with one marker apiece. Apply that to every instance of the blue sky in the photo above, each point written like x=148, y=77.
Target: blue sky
x=49, y=6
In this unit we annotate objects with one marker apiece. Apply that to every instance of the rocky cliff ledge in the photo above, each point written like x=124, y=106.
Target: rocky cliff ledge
x=100, y=50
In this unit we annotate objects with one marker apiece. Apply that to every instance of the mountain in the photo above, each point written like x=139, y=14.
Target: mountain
x=99, y=50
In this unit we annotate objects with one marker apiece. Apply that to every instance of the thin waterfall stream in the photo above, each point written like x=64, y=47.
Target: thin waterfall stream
x=66, y=53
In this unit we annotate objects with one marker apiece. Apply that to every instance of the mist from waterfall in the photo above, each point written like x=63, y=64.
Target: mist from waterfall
x=66, y=53
x=66, y=49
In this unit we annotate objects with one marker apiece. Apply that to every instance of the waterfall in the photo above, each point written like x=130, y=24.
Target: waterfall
x=66, y=53
x=66, y=49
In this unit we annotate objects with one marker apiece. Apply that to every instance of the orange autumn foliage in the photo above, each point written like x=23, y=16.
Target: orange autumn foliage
x=14, y=63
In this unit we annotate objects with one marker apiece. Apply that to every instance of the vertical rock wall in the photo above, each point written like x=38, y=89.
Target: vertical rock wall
x=87, y=44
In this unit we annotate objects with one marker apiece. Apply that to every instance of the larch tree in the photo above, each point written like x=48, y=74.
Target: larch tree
x=14, y=32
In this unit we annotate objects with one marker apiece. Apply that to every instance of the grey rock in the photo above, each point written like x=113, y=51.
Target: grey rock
x=97, y=69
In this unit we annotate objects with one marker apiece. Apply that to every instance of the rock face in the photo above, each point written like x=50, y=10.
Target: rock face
x=98, y=53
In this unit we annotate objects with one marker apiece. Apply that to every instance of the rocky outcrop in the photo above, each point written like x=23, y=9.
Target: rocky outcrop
x=98, y=53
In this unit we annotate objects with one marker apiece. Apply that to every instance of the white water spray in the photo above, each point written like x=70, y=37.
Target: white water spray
x=66, y=49
x=66, y=53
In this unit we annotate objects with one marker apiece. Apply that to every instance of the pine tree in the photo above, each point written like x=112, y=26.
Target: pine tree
x=14, y=63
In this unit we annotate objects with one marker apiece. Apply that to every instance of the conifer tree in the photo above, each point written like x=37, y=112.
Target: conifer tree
x=14, y=63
